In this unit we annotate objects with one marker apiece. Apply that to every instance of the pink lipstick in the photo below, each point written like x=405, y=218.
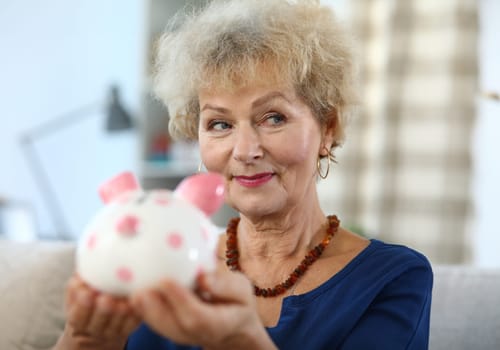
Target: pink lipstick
x=254, y=180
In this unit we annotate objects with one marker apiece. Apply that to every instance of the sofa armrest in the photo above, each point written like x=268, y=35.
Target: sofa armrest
x=32, y=282
x=465, y=311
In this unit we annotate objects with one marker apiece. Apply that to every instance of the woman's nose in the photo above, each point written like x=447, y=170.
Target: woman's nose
x=247, y=145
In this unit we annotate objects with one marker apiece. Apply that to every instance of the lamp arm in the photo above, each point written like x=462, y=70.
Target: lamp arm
x=41, y=176
x=117, y=119
x=48, y=193
x=61, y=122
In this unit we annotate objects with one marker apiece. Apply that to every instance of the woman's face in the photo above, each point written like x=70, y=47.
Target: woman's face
x=265, y=141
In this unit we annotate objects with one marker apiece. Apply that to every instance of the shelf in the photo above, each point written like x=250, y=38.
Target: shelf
x=161, y=159
x=168, y=169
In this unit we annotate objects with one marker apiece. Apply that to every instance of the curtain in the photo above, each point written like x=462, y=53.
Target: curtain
x=404, y=171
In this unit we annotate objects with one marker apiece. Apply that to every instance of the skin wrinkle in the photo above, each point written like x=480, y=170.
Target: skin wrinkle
x=285, y=223
x=267, y=98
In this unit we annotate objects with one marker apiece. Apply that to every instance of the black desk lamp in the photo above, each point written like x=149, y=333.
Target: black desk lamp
x=117, y=119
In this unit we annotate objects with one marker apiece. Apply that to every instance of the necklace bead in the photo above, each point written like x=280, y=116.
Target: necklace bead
x=233, y=255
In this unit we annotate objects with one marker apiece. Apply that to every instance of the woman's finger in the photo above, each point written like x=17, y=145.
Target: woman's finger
x=73, y=286
x=119, y=314
x=187, y=310
x=101, y=315
x=225, y=286
x=81, y=309
x=129, y=324
x=158, y=312
x=151, y=307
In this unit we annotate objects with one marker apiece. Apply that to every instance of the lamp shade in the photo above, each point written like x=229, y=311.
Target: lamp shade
x=117, y=118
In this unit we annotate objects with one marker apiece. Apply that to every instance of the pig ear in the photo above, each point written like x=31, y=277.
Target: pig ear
x=205, y=191
x=117, y=185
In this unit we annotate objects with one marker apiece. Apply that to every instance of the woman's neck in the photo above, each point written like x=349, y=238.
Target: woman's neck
x=281, y=236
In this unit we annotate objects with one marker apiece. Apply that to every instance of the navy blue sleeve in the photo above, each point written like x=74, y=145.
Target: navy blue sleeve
x=398, y=318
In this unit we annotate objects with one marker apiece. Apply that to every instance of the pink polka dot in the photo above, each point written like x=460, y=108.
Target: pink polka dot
x=91, y=241
x=174, y=240
x=124, y=274
x=127, y=225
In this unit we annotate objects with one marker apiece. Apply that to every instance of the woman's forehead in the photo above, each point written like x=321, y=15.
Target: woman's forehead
x=236, y=76
x=253, y=90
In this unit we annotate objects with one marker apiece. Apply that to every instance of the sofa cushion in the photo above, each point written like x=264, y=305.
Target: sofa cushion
x=32, y=282
x=465, y=311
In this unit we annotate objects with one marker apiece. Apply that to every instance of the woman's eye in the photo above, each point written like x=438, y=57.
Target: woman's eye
x=218, y=125
x=275, y=119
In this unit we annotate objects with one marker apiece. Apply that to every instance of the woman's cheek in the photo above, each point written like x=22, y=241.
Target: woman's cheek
x=212, y=155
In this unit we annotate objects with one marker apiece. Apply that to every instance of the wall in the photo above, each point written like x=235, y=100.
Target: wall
x=57, y=56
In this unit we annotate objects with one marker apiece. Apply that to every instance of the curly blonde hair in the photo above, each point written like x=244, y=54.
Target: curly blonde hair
x=226, y=44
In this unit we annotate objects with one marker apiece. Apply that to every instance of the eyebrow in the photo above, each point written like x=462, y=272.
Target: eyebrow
x=215, y=108
x=268, y=97
x=258, y=102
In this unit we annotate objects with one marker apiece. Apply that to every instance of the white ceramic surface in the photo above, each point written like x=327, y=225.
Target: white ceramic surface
x=141, y=237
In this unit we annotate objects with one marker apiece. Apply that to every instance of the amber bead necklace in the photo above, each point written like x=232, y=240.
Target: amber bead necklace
x=233, y=255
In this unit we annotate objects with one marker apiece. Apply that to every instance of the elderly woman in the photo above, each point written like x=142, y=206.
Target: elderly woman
x=266, y=87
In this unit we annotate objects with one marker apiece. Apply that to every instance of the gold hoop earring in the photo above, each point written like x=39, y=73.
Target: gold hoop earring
x=318, y=165
x=331, y=158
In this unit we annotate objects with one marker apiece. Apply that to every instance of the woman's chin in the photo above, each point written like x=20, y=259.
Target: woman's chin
x=258, y=210
x=256, y=203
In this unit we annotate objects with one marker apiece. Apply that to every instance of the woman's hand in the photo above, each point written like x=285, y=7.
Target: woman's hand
x=95, y=320
x=221, y=314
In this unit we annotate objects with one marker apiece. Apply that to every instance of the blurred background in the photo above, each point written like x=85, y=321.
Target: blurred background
x=420, y=165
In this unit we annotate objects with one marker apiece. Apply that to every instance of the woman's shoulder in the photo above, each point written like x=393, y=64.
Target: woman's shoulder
x=374, y=254
x=380, y=268
x=390, y=262
x=394, y=253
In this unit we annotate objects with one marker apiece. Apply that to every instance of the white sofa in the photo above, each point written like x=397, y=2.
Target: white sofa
x=465, y=312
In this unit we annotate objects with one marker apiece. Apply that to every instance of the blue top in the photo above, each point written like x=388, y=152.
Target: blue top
x=380, y=300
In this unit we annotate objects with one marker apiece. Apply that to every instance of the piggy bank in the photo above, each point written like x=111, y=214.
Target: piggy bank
x=141, y=237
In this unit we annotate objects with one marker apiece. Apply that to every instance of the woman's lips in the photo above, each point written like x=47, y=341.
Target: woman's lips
x=254, y=180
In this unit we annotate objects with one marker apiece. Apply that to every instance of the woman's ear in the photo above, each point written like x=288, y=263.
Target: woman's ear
x=329, y=132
